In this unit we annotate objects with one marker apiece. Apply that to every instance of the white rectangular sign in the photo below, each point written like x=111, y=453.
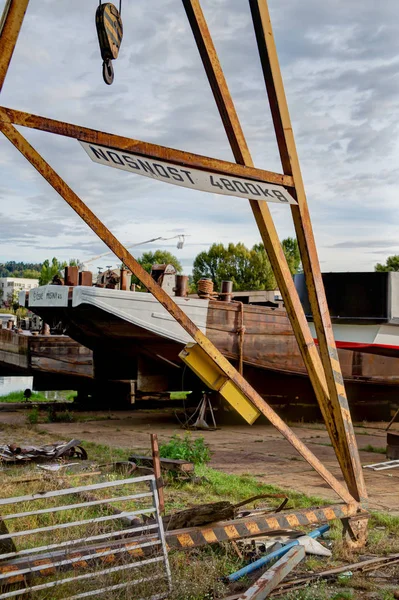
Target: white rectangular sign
x=186, y=177
x=49, y=295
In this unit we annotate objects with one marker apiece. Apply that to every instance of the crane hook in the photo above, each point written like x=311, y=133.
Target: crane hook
x=110, y=32
x=108, y=71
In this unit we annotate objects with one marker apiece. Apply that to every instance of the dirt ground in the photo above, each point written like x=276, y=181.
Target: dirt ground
x=258, y=450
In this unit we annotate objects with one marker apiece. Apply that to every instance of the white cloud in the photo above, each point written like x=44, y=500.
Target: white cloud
x=339, y=63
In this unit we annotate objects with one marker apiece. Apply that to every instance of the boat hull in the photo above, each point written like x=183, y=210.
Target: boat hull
x=134, y=338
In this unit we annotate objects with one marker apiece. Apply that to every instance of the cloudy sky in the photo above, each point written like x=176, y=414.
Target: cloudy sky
x=340, y=64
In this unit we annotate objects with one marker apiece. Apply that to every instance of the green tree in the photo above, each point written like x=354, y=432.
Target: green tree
x=75, y=262
x=291, y=251
x=19, y=269
x=159, y=257
x=49, y=270
x=392, y=264
x=30, y=274
x=12, y=301
x=248, y=269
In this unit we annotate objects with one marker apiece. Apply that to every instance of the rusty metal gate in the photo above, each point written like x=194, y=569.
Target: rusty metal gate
x=139, y=545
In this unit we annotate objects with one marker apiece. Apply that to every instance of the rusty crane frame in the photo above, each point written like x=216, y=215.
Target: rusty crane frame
x=202, y=356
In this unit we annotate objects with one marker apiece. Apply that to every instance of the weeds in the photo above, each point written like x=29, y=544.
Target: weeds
x=195, y=451
x=33, y=416
x=344, y=595
x=376, y=449
x=317, y=591
x=63, y=416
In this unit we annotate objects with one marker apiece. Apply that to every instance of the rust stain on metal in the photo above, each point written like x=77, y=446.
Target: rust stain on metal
x=312, y=518
x=252, y=527
x=186, y=159
x=48, y=570
x=335, y=408
x=9, y=569
x=10, y=25
x=210, y=536
x=293, y=520
x=185, y=540
x=232, y=532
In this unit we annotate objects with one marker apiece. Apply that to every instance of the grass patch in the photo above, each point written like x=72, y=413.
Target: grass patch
x=179, y=395
x=103, y=453
x=391, y=522
x=19, y=397
x=216, y=485
x=383, y=533
x=375, y=449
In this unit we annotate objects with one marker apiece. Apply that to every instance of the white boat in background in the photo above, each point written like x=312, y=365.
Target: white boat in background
x=133, y=337
x=364, y=309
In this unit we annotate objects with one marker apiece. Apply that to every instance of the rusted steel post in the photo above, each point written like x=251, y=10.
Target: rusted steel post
x=337, y=408
x=226, y=291
x=71, y=276
x=45, y=329
x=345, y=449
x=10, y=26
x=126, y=258
x=275, y=575
x=86, y=278
x=181, y=285
x=125, y=279
x=157, y=470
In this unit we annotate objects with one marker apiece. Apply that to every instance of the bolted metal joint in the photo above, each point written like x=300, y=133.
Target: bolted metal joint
x=355, y=531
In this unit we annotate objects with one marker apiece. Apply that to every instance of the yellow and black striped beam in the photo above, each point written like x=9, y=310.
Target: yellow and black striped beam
x=184, y=539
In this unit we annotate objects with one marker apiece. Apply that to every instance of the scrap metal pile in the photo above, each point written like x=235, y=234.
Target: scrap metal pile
x=59, y=450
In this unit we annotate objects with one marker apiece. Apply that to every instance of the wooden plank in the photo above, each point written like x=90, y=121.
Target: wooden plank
x=168, y=464
x=275, y=575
